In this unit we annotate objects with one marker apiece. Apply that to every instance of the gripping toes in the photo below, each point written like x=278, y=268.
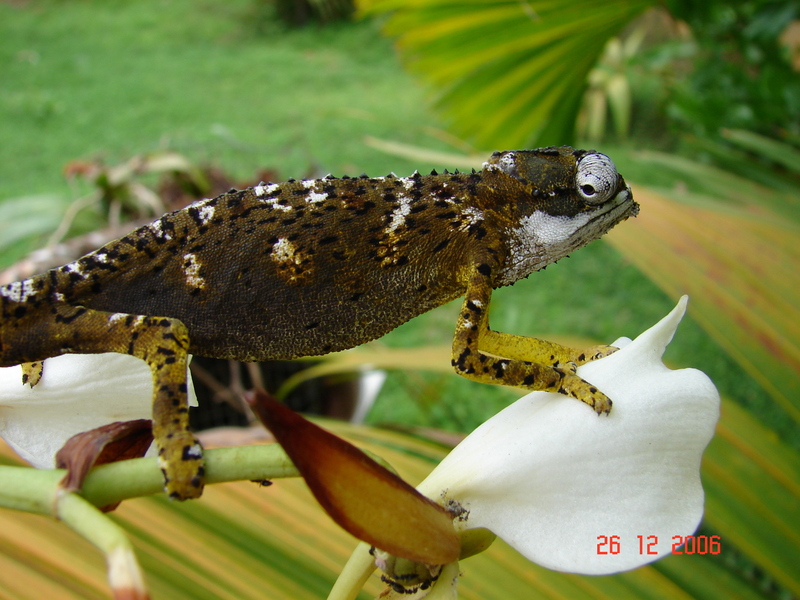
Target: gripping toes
x=580, y=389
x=593, y=353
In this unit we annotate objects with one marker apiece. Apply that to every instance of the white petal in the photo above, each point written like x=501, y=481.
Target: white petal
x=550, y=477
x=77, y=392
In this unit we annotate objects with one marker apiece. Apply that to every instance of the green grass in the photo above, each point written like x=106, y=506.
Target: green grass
x=216, y=81
x=224, y=84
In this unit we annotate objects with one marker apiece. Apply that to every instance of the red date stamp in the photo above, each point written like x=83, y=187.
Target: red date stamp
x=649, y=544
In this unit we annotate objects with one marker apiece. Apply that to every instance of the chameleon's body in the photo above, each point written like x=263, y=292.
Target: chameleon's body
x=303, y=268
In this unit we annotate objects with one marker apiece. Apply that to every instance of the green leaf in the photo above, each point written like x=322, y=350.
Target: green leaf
x=508, y=73
x=778, y=152
x=29, y=217
x=752, y=484
x=740, y=269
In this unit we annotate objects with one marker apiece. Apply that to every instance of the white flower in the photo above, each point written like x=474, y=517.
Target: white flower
x=77, y=392
x=572, y=491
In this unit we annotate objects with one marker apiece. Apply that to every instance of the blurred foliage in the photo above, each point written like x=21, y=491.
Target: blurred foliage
x=510, y=73
x=302, y=12
x=506, y=73
x=741, y=73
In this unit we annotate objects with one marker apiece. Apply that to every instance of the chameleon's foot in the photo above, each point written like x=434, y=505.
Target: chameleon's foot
x=593, y=353
x=32, y=372
x=181, y=461
x=580, y=389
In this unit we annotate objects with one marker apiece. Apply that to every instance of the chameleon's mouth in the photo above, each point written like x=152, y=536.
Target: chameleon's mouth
x=634, y=209
x=622, y=206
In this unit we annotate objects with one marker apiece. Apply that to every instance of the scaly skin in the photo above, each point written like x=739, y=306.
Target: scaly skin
x=301, y=268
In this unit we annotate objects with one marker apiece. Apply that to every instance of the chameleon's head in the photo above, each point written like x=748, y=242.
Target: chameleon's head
x=563, y=199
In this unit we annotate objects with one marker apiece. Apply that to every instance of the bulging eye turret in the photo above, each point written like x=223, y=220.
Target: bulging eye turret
x=597, y=178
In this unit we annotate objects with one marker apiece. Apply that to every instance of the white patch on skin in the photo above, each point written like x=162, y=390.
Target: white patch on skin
x=19, y=291
x=101, y=257
x=74, y=267
x=472, y=216
x=263, y=190
x=283, y=251
x=205, y=213
x=268, y=189
x=191, y=269
x=156, y=225
x=399, y=215
x=116, y=317
x=407, y=182
x=196, y=452
x=59, y=296
x=315, y=197
x=506, y=163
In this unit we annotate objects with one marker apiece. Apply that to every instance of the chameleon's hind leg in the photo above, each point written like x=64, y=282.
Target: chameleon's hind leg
x=163, y=344
x=493, y=357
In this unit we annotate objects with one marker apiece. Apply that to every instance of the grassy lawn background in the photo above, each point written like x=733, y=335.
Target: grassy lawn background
x=225, y=85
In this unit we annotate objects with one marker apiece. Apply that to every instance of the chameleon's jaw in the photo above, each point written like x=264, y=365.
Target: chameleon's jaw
x=542, y=238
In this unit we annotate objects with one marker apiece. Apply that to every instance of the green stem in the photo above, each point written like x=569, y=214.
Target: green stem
x=35, y=490
x=124, y=573
x=354, y=575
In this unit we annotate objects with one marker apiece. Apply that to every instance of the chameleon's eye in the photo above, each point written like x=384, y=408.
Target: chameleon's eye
x=597, y=178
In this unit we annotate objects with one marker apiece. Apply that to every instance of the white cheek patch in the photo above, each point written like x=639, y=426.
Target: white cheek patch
x=539, y=240
x=550, y=230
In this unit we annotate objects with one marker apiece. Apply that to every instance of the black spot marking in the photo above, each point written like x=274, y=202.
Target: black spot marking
x=471, y=306
x=500, y=368
x=441, y=245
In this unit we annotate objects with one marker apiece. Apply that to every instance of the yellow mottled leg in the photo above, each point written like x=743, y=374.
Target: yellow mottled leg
x=32, y=372
x=493, y=357
x=533, y=349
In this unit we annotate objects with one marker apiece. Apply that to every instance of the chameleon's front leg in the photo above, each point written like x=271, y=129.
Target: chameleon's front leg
x=493, y=357
x=163, y=344
x=521, y=347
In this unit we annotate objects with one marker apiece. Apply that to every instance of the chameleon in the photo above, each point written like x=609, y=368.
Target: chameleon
x=307, y=267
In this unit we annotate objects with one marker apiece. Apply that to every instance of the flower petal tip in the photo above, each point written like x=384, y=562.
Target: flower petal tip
x=657, y=338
